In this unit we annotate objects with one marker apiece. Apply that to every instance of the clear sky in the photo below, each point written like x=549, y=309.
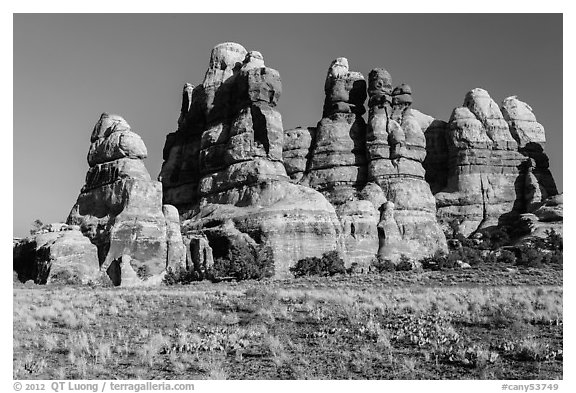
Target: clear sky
x=69, y=68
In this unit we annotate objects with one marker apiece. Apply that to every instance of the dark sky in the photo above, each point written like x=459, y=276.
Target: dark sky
x=68, y=69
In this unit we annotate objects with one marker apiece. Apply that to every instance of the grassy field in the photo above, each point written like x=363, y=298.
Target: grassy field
x=489, y=323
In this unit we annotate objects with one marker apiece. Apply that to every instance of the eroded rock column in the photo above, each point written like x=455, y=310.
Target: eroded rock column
x=242, y=185
x=396, y=148
x=337, y=164
x=120, y=208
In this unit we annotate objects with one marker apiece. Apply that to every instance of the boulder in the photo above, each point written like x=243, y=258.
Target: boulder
x=345, y=90
x=199, y=256
x=380, y=89
x=551, y=210
x=57, y=257
x=522, y=122
x=296, y=151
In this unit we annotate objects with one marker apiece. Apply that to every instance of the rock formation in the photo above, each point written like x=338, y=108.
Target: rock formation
x=120, y=207
x=57, y=255
x=337, y=164
x=224, y=166
x=297, y=151
x=531, y=139
x=373, y=173
x=487, y=164
x=394, y=184
x=396, y=148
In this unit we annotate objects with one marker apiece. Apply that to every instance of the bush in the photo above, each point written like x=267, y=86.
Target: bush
x=553, y=241
x=438, y=261
x=465, y=242
x=469, y=255
x=179, y=275
x=404, y=265
x=555, y=258
x=541, y=251
x=37, y=226
x=244, y=261
x=529, y=256
x=382, y=265
x=143, y=272
x=330, y=264
x=65, y=277
x=354, y=268
x=498, y=238
x=507, y=257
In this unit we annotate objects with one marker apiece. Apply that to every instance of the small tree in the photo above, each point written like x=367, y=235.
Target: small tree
x=244, y=261
x=553, y=240
x=404, y=264
x=330, y=264
x=383, y=265
x=507, y=257
x=37, y=225
x=529, y=256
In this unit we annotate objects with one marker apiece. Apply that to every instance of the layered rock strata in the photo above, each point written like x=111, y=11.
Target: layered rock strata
x=531, y=139
x=372, y=173
x=337, y=162
x=494, y=167
x=233, y=136
x=120, y=207
x=297, y=151
x=396, y=149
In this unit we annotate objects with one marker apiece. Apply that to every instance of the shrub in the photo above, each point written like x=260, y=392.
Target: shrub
x=555, y=258
x=382, y=265
x=507, y=257
x=529, y=256
x=438, y=261
x=466, y=254
x=179, y=275
x=244, y=261
x=330, y=264
x=143, y=272
x=66, y=277
x=404, y=265
x=37, y=226
x=464, y=241
x=553, y=241
x=355, y=267
x=498, y=238
x=334, y=262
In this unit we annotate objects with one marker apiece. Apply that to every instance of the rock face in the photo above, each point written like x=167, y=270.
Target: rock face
x=337, y=164
x=531, y=139
x=396, y=149
x=372, y=173
x=61, y=256
x=224, y=164
x=394, y=184
x=487, y=164
x=120, y=207
x=200, y=254
x=338, y=158
x=296, y=151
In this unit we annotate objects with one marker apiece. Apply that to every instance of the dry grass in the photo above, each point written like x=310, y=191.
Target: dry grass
x=317, y=329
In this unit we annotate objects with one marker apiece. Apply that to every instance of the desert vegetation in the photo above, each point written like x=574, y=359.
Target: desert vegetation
x=484, y=322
